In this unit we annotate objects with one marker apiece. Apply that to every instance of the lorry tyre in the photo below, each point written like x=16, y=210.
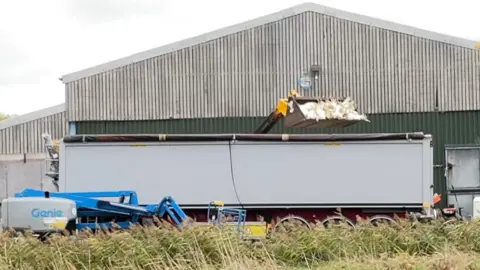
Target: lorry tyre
x=296, y=219
x=374, y=220
x=337, y=219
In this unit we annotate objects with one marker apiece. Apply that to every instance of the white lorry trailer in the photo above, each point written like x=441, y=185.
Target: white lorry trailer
x=273, y=176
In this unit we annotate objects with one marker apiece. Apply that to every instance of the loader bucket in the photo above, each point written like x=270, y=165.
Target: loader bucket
x=295, y=118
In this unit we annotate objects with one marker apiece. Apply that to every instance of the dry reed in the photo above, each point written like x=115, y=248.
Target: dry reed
x=404, y=245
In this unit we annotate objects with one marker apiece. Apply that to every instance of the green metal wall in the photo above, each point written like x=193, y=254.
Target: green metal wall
x=446, y=128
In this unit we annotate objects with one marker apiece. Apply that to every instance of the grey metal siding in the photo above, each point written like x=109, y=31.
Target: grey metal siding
x=27, y=137
x=244, y=74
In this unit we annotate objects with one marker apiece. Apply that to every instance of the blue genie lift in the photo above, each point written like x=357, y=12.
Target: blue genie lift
x=94, y=212
x=53, y=211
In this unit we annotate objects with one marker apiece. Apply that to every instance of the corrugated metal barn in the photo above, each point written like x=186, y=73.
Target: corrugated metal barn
x=405, y=79
x=22, y=153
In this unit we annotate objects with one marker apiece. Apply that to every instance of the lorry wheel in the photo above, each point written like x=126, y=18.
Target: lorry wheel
x=294, y=220
x=337, y=220
x=375, y=220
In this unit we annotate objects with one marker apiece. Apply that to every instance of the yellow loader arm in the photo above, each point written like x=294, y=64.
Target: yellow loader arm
x=279, y=112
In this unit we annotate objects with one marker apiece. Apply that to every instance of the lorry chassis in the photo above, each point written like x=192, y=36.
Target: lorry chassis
x=274, y=217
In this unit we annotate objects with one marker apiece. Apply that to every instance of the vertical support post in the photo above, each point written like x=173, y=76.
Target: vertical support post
x=72, y=128
x=4, y=169
x=428, y=179
x=6, y=181
x=478, y=175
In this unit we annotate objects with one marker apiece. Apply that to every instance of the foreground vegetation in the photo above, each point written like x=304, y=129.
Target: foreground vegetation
x=405, y=245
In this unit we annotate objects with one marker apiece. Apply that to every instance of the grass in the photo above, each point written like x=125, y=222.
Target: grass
x=405, y=245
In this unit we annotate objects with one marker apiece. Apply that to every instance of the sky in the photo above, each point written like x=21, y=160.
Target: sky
x=40, y=41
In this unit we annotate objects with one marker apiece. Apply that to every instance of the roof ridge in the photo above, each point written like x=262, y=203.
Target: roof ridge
x=31, y=116
x=263, y=20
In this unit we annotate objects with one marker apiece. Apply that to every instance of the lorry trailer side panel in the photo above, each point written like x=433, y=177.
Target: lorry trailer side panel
x=256, y=173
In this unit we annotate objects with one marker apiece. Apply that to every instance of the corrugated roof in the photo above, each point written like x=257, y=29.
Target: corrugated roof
x=32, y=116
x=295, y=10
